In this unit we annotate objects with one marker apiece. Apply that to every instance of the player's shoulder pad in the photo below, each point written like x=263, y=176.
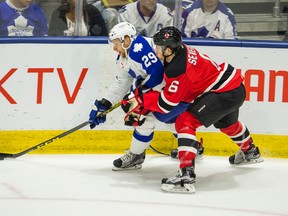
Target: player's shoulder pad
x=178, y=67
x=139, y=47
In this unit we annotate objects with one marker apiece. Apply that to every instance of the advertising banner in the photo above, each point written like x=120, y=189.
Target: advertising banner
x=52, y=86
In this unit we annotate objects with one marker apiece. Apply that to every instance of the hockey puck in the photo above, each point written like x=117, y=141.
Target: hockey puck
x=1, y=158
x=174, y=153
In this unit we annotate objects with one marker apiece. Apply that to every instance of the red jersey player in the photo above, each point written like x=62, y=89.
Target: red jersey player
x=215, y=93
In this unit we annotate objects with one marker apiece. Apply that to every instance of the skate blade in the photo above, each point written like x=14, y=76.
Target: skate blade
x=135, y=167
x=253, y=161
x=199, y=157
x=187, y=188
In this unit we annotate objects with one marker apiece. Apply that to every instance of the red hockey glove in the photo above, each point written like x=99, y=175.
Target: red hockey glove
x=134, y=119
x=132, y=101
x=132, y=104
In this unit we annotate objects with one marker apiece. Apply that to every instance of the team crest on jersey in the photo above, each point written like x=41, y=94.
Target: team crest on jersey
x=21, y=28
x=138, y=47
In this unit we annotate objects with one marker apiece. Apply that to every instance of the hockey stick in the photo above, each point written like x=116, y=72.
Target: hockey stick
x=7, y=155
x=157, y=151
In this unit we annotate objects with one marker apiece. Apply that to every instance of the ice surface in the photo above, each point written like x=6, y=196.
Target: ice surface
x=85, y=185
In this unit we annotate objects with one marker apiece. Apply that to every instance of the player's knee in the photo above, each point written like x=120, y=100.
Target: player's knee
x=220, y=125
x=179, y=124
x=223, y=124
x=186, y=121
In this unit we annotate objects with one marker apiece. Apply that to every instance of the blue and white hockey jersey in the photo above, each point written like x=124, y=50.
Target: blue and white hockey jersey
x=220, y=24
x=141, y=66
x=146, y=26
x=29, y=21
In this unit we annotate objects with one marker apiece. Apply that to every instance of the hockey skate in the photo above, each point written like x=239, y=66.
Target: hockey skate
x=182, y=181
x=129, y=161
x=200, y=153
x=249, y=157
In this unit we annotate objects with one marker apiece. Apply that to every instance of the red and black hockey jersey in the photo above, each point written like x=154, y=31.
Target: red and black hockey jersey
x=189, y=75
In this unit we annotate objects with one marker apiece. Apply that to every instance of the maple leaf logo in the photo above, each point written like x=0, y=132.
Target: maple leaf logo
x=138, y=47
x=21, y=28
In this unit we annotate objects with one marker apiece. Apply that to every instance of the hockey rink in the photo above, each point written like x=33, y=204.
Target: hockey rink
x=85, y=185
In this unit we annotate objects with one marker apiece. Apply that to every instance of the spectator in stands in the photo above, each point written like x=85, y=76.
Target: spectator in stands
x=63, y=20
x=109, y=14
x=208, y=19
x=186, y=4
x=147, y=16
x=22, y=18
x=172, y=3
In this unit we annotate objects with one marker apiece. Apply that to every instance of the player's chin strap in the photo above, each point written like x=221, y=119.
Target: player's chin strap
x=126, y=48
x=174, y=51
x=163, y=51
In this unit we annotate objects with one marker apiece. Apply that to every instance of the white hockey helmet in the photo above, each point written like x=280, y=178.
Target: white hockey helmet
x=122, y=29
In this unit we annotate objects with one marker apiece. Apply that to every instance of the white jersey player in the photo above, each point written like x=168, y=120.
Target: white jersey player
x=137, y=62
x=208, y=19
x=147, y=16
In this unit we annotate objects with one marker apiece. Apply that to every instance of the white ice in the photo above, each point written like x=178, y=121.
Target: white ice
x=85, y=185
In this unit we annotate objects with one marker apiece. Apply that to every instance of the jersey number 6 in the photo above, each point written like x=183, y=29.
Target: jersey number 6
x=173, y=86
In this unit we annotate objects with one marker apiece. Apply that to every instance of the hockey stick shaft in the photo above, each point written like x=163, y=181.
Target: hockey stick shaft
x=7, y=155
x=157, y=151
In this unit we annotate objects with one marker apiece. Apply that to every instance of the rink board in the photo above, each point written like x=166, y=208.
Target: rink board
x=43, y=95
x=115, y=141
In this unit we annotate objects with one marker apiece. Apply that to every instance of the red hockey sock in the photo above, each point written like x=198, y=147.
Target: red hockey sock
x=186, y=158
x=239, y=134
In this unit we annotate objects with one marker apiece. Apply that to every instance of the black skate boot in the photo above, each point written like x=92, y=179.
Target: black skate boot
x=200, y=153
x=249, y=157
x=129, y=161
x=182, y=181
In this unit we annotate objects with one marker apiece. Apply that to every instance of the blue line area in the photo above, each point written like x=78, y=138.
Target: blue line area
x=104, y=40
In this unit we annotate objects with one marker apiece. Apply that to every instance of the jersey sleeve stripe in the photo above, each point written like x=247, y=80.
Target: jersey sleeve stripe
x=228, y=76
x=164, y=104
x=225, y=78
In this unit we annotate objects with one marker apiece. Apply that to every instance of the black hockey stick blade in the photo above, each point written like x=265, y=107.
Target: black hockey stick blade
x=8, y=155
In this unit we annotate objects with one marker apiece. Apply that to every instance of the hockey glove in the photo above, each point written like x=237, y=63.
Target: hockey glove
x=95, y=117
x=132, y=104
